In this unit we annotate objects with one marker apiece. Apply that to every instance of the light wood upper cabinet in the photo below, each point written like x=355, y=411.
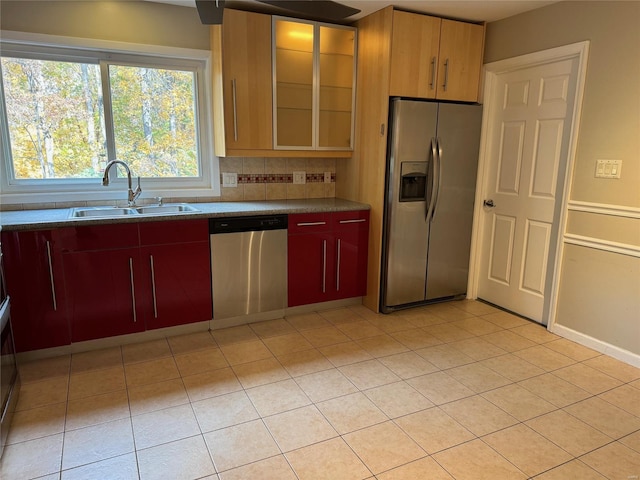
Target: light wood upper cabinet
x=461, y=50
x=246, y=77
x=435, y=58
x=304, y=123
x=314, y=85
x=414, y=55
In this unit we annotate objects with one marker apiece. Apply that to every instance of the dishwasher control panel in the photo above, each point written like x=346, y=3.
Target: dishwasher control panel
x=247, y=224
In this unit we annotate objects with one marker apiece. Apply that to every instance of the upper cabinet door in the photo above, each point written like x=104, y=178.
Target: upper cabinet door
x=336, y=87
x=461, y=49
x=246, y=64
x=314, y=85
x=294, y=83
x=414, y=55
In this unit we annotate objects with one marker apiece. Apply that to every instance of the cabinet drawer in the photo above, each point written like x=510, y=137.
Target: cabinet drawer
x=97, y=237
x=309, y=222
x=181, y=231
x=341, y=220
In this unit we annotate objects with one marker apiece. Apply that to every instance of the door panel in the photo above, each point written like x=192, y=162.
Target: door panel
x=535, y=258
x=547, y=158
x=510, y=157
x=501, y=248
x=527, y=144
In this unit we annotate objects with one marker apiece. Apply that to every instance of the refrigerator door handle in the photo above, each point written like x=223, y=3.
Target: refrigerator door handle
x=432, y=177
x=438, y=177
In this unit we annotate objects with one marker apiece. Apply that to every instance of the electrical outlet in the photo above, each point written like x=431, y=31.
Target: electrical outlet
x=299, y=177
x=327, y=177
x=608, y=168
x=229, y=180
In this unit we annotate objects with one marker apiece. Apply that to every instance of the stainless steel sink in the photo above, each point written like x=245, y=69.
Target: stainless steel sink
x=167, y=208
x=101, y=212
x=111, y=212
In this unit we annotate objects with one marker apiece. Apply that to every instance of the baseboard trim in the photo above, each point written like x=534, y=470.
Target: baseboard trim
x=603, y=347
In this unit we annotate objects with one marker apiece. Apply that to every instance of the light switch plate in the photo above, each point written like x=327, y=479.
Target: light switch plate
x=327, y=177
x=229, y=180
x=608, y=168
x=299, y=177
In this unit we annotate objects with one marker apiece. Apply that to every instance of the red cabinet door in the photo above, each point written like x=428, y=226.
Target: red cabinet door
x=178, y=282
x=104, y=297
x=310, y=268
x=351, y=237
x=33, y=271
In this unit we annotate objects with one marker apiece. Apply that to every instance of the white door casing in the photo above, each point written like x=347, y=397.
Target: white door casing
x=529, y=132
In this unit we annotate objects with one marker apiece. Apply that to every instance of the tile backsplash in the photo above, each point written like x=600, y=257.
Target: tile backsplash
x=272, y=178
x=258, y=179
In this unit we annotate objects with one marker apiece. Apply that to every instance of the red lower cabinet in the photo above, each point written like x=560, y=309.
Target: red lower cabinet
x=160, y=276
x=351, y=237
x=33, y=271
x=103, y=293
x=309, y=268
x=327, y=256
x=179, y=277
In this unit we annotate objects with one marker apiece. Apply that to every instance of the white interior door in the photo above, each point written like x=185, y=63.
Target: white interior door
x=528, y=130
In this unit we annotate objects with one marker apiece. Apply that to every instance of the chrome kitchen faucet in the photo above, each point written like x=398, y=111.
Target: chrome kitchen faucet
x=132, y=194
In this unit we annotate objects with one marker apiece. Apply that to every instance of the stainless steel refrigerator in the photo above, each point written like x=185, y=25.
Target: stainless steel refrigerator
x=430, y=188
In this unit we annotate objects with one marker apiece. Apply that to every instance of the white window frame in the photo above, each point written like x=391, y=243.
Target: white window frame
x=16, y=191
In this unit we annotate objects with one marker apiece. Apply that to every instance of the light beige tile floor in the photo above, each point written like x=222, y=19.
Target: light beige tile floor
x=450, y=391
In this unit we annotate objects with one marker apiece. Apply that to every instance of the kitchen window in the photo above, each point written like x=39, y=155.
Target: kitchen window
x=66, y=112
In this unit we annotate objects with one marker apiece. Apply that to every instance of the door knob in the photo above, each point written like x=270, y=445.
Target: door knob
x=489, y=203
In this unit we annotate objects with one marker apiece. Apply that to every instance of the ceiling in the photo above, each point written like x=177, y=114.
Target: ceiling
x=472, y=10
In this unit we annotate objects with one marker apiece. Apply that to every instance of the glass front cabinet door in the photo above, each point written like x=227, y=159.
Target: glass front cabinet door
x=314, y=85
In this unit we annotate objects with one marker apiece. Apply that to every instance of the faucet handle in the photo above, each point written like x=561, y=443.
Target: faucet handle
x=159, y=200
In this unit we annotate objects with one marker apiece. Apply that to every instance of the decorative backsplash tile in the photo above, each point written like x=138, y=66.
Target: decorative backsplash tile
x=279, y=178
x=272, y=178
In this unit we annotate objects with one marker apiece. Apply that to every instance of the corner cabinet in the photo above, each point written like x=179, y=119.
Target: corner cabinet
x=314, y=85
x=435, y=58
x=327, y=256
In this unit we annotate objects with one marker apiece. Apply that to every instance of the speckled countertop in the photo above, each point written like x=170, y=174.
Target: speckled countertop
x=59, y=217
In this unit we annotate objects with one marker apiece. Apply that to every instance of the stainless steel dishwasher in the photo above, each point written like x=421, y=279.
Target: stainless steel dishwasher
x=248, y=265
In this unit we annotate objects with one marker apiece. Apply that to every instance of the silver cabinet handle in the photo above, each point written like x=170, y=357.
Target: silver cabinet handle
x=433, y=73
x=355, y=220
x=153, y=287
x=53, y=285
x=310, y=224
x=235, y=110
x=133, y=290
x=338, y=267
x=446, y=74
x=324, y=266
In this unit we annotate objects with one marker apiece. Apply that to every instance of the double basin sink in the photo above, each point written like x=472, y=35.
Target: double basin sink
x=111, y=212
